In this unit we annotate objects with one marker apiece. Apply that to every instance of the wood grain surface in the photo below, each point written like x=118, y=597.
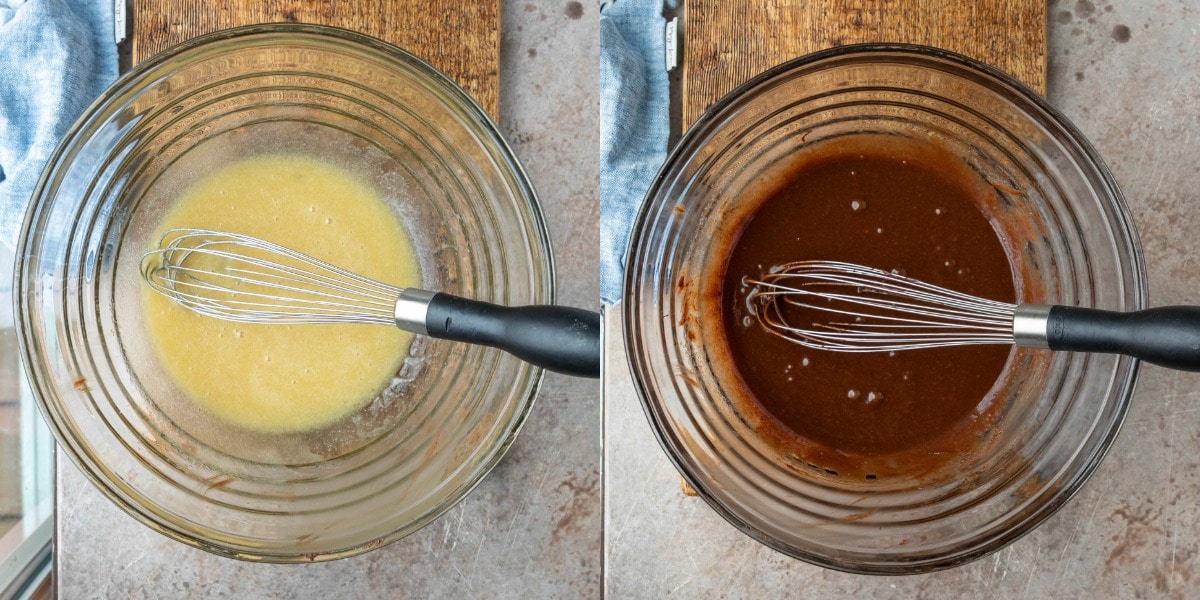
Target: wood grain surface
x=461, y=38
x=727, y=42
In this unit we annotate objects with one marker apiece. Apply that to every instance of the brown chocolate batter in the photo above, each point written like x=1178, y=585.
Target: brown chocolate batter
x=877, y=414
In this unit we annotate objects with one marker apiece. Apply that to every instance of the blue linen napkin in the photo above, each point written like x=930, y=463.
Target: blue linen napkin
x=55, y=58
x=633, y=125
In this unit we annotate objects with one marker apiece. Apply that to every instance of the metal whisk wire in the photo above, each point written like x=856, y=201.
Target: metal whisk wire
x=861, y=309
x=248, y=280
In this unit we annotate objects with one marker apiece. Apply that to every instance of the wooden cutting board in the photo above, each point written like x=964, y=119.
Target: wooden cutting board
x=462, y=39
x=727, y=42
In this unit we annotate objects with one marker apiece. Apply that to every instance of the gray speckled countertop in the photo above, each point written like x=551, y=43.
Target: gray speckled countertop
x=533, y=527
x=1128, y=74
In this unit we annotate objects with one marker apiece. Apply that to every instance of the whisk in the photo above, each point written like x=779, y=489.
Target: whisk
x=245, y=279
x=851, y=308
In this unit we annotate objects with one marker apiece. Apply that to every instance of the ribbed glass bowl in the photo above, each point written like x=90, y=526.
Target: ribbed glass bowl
x=437, y=159
x=1069, y=237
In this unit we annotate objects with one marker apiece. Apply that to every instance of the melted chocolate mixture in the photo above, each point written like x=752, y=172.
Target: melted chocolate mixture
x=870, y=414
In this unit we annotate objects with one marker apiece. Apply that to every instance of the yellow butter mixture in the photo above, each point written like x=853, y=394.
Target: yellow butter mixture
x=286, y=378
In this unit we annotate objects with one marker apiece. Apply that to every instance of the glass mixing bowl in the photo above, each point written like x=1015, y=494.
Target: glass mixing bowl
x=418, y=447
x=1070, y=240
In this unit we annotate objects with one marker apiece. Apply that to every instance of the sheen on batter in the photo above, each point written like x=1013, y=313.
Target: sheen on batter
x=877, y=414
x=286, y=378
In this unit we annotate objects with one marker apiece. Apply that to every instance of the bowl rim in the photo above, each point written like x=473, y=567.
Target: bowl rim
x=94, y=470
x=1123, y=224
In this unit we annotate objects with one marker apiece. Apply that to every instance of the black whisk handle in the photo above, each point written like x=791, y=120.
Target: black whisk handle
x=1167, y=336
x=558, y=338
